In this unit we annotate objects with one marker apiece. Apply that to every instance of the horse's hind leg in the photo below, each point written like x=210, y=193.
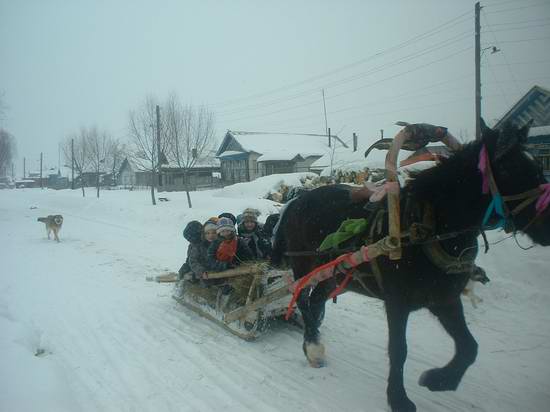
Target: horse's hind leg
x=448, y=378
x=398, y=315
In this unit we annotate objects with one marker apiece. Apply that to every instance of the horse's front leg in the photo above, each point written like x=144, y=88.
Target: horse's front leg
x=448, y=378
x=398, y=315
x=312, y=308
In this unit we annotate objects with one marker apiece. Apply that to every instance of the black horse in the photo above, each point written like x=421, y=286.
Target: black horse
x=452, y=194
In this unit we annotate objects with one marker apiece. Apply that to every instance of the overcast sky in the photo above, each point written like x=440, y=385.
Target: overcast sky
x=261, y=65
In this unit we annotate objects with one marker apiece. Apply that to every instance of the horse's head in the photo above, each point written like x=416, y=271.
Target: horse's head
x=517, y=172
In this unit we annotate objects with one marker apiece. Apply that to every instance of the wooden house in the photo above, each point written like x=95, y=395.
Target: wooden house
x=245, y=156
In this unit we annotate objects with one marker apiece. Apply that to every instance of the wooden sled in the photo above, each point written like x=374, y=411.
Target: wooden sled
x=242, y=300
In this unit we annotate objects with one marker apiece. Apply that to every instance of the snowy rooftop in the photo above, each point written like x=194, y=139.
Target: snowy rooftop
x=345, y=159
x=202, y=162
x=539, y=131
x=280, y=146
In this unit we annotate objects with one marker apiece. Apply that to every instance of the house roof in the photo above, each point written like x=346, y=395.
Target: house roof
x=204, y=162
x=276, y=146
x=345, y=159
x=279, y=155
x=535, y=104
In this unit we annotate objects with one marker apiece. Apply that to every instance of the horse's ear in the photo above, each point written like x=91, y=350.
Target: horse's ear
x=510, y=137
x=484, y=128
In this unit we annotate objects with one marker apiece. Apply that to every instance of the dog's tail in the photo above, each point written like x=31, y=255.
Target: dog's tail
x=42, y=219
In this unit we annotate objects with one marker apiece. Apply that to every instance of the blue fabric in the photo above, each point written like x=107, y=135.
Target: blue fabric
x=496, y=206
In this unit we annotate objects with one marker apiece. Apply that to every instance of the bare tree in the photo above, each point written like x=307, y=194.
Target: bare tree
x=116, y=155
x=81, y=154
x=99, y=144
x=7, y=151
x=142, y=129
x=190, y=133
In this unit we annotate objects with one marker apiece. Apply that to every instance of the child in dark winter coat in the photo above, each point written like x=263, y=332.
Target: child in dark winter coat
x=199, y=237
x=227, y=251
x=251, y=231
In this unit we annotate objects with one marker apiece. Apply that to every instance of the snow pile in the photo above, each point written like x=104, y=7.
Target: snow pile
x=83, y=331
x=263, y=186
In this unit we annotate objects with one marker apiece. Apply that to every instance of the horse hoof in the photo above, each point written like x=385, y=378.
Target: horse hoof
x=315, y=354
x=403, y=405
x=437, y=380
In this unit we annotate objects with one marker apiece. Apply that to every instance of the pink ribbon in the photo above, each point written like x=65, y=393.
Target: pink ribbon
x=544, y=199
x=482, y=166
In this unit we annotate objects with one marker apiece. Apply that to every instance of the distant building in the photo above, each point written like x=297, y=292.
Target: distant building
x=205, y=173
x=534, y=105
x=130, y=176
x=245, y=156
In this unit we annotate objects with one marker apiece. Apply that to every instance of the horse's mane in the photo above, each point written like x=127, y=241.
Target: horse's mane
x=445, y=178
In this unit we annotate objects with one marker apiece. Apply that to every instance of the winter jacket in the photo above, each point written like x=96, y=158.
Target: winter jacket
x=224, y=254
x=259, y=244
x=196, y=261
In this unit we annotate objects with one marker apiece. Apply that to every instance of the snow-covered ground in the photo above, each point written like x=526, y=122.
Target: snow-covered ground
x=113, y=342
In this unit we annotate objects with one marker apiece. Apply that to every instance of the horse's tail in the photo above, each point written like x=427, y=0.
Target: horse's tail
x=279, y=238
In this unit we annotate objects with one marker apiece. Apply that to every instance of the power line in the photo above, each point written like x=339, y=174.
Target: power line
x=444, y=26
x=389, y=99
x=499, y=86
x=524, y=40
x=521, y=28
x=544, y=3
x=502, y=51
x=521, y=22
x=498, y=3
x=525, y=62
x=357, y=88
x=371, y=71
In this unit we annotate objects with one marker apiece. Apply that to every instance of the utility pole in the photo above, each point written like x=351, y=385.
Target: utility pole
x=24, y=171
x=354, y=142
x=41, y=184
x=158, y=147
x=325, y=107
x=329, y=139
x=381, y=133
x=72, y=164
x=478, y=70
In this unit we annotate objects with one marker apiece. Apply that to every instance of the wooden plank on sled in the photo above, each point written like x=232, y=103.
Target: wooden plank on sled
x=166, y=278
x=244, y=269
x=257, y=304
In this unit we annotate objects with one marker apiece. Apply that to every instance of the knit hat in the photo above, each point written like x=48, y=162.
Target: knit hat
x=225, y=224
x=193, y=231
x=209, y=225
x=230, y=216
x=250, y=214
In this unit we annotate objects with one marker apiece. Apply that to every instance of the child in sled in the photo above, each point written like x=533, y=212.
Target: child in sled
x=251, y=231
x=199, y=237
x=228, y=250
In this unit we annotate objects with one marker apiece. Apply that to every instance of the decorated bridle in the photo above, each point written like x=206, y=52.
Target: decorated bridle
x=498, y=206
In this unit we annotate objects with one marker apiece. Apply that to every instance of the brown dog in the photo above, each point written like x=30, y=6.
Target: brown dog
x=53, y=224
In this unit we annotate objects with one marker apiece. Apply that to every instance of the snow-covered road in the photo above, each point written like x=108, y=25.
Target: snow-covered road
x=113, y=342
